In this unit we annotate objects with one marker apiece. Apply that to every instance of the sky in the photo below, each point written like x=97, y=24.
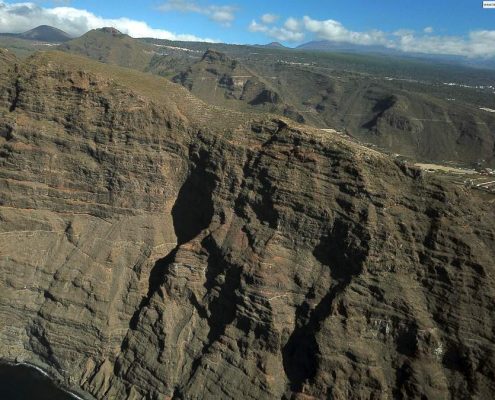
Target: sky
x=456, y=27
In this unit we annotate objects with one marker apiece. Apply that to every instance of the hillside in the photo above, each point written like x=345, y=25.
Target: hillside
x=222, y=81
x=274, y=45
x=379, y=65
x=154, y=246
x=330, y=46
x=111, y=46
x=25, y=44
x=403, y=117
x=42, y=33
x=420, y=120
x=45, y=33
x=441, y=59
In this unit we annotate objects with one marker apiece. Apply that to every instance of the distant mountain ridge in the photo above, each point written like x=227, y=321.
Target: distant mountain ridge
x=42, y=33
x=332, y=46
x=274, y=45
x=327, y=45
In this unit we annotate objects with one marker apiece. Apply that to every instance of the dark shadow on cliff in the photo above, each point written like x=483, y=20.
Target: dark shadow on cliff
x=192, y=212
x=156, y=278
x=340, y=252
x=193, y=209
x=379, y=109
x=222, y=281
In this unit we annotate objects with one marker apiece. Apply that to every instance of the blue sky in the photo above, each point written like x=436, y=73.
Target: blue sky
x=460, y=27
x=449, y=17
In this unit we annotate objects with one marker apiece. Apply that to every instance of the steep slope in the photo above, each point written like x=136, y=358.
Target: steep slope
x=399, y=116
x=156, y=247
x=400, y=119
x=220, y=80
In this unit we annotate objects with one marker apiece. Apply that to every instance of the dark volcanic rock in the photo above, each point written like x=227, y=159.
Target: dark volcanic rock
x=265, y=96
x=155, y=247
x=213, y=56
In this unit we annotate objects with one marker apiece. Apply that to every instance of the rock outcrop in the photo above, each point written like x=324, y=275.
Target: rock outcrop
x=219, y=80
x=155, y=247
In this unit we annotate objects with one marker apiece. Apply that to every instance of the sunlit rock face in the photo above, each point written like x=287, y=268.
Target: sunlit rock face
x=155, y=247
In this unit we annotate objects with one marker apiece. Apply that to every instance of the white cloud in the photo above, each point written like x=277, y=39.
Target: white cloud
x=294, y=30
x=223, y=14
x=20, y=17
x=269, y=18
x=334, y=31
x=292, y=24
x=477, y=44
x=179, y=5
x=480, y=43
x=256, y=27
x=283, y=34
x=403, y=32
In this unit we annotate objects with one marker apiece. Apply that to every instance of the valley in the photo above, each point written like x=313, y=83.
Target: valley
x=414, y=114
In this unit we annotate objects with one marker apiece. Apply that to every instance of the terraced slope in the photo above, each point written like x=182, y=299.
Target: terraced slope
x=418, y=120
x=156, y=247
x=422, y=120
x=220, y=80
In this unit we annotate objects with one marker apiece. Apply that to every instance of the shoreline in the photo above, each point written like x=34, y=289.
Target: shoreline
x=55, y=381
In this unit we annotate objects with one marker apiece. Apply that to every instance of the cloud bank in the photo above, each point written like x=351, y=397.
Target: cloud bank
x=478, y=43
x=20, y=17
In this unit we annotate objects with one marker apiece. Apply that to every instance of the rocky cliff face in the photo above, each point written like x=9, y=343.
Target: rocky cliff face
x=154, y=247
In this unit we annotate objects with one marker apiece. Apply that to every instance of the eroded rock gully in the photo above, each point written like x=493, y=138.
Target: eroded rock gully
x=153, y=247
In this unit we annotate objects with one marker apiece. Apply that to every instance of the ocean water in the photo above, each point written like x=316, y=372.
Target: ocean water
x=20, y=382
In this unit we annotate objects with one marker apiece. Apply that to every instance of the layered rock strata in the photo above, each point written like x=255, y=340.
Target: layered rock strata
x=154, y=247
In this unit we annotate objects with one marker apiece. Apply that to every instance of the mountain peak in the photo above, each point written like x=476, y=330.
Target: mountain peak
x=45, y=33
x=276, y=45
x=111, y=30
